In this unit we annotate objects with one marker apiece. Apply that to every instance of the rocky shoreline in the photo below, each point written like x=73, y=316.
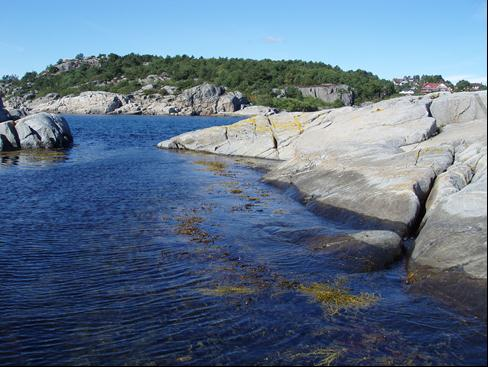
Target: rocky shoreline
x=205, y=99
x=410, y=167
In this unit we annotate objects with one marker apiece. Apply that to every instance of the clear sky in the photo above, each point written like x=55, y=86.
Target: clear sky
x=387, y=37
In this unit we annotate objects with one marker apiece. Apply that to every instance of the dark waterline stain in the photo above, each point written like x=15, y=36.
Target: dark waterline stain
x=115, y=252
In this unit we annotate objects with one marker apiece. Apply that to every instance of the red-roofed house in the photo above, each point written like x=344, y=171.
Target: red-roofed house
x=434, y=87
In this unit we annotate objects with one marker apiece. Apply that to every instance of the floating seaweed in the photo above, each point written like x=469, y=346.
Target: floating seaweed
x=189, y=226
x=334, y=298
x=212, y=166
x=227, y=290
x=326, y=356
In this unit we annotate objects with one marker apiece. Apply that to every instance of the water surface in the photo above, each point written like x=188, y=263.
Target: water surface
x=115, y=252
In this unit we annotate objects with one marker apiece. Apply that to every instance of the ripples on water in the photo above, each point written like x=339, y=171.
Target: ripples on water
x=114, y=252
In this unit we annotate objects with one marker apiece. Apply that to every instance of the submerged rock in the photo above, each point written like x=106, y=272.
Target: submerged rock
x=361, y=251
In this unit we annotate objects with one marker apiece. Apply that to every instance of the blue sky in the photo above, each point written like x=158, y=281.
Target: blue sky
x=387, y=37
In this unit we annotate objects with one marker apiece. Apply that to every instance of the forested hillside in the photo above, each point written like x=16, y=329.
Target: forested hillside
x=259, y=80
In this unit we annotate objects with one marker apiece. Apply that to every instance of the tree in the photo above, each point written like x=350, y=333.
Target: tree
x=10, y=78
x=80, y=56
x=463, y=85
x=52, y=69
x=432, y=79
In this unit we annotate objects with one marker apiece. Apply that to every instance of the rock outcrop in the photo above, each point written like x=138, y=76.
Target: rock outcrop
x=330, y=93
x=381, y=167
x=205, y=99
x=208, y=99
x=39, y=131
x=85, y=103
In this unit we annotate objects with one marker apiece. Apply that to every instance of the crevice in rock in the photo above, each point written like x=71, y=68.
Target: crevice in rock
x=427, y=107
x=275, y=140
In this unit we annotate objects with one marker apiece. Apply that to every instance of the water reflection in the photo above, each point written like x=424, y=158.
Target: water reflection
x=33, y=158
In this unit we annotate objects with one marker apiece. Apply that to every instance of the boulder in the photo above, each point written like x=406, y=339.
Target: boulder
x=9, y=140
x=449, y=108
x=231, y=102
x=208, y=99
x=200, y=100
x=169, y=89
x=43, y=130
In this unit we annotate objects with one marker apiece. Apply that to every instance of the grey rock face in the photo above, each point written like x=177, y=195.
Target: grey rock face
x=208, y=99
x=200, y=100
x=9, y=140
x=458, y=107
x=453, y=235
x=330, y=93
x=43, y=130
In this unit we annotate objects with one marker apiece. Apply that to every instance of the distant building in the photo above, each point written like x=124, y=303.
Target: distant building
x=408, y=92
x=398, y=82
x=476, y=86
x=434, y=87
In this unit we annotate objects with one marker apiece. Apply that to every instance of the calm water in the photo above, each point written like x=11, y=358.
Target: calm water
x=115, y=252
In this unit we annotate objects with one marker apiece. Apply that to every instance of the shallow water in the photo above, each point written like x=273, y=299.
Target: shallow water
x=115, y=252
